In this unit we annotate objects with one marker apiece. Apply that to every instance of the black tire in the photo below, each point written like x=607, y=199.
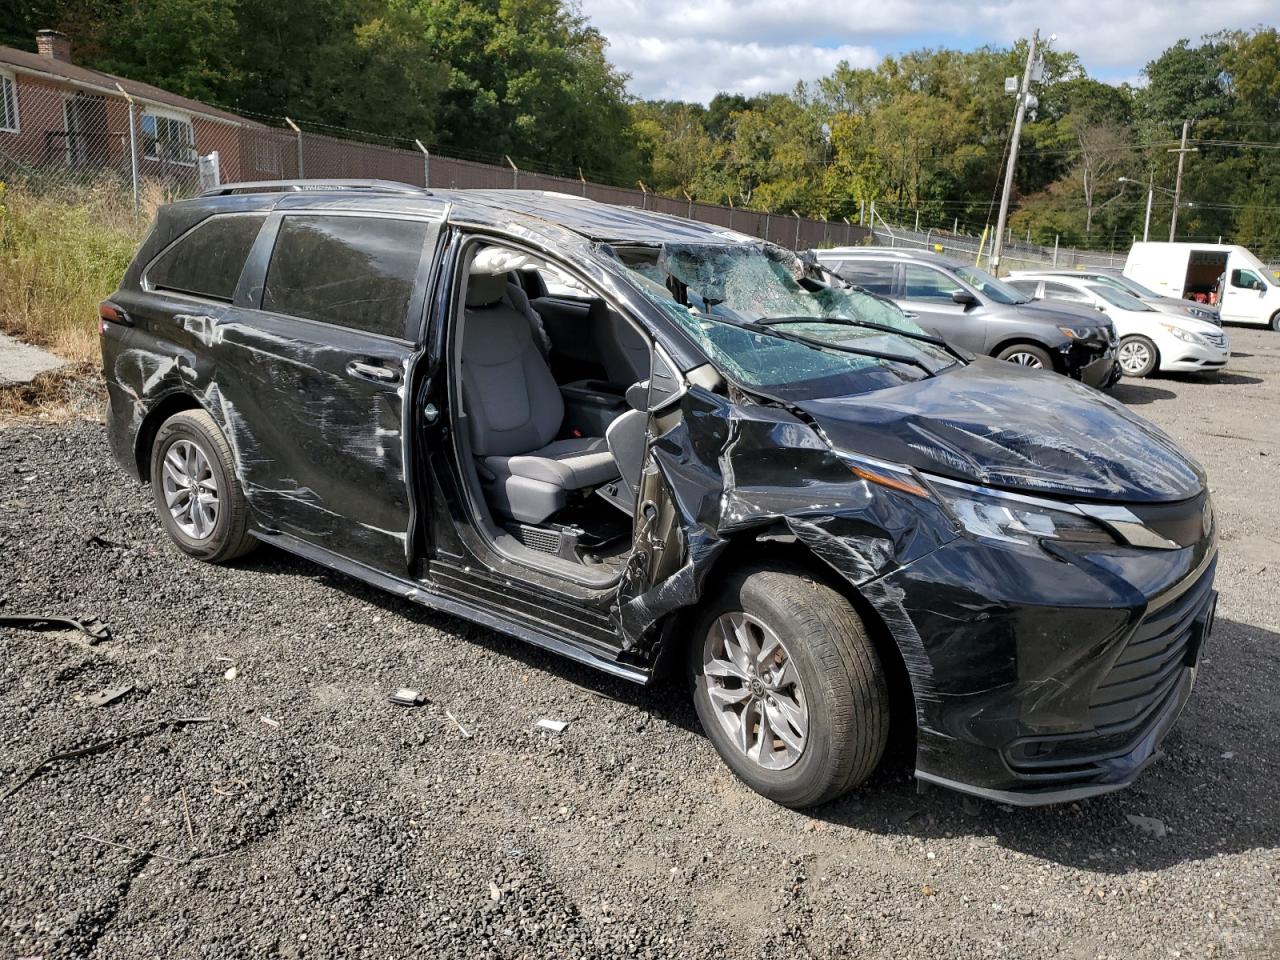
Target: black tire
x=1136, y=342
x=1023, y=353
x=843, y=682
x=229, y=537
x=1275, y=321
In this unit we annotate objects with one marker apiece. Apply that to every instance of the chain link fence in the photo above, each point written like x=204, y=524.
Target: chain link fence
x=55, y=136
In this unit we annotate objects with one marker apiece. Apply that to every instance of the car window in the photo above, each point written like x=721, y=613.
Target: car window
x=207, y=262
x=926, y=283
x=989, y=286
x=356, y=272
x=1120, y=299
x=1026, y=286
x=1060, y=291
x=1247, y=280
x=560, y=284
x=872, y=276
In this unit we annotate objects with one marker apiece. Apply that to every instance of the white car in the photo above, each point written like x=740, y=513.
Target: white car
x=1150, y=339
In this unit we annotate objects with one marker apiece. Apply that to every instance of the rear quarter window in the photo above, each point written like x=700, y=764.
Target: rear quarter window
x=355, y=272
x=207, y=261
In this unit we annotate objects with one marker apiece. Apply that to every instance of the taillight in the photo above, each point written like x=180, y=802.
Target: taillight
x=108, y=312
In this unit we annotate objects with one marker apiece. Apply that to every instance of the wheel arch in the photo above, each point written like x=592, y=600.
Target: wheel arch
x=169, y=405
x=1025, y=340
x=775, y=548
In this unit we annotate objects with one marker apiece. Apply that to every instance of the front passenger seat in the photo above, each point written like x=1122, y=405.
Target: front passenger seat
x=515, y=411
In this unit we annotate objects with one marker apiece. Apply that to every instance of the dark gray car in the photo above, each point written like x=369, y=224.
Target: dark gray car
x=973, y=310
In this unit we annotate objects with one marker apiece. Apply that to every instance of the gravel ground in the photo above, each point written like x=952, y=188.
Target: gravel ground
x=326, y=822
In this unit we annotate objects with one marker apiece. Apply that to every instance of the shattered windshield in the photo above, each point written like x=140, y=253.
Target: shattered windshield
x=766, y=321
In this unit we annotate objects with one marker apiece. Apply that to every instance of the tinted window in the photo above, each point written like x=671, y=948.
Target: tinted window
x=925, y=283
x=1060, y=291
x=356, y=272
x=871, y=276
x=208, y=260
x=1024, y=286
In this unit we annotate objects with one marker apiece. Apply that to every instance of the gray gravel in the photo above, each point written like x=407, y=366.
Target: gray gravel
x=354, y=828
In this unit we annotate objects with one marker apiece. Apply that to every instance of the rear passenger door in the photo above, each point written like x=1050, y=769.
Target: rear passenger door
x=927, y=298
x=311, y=380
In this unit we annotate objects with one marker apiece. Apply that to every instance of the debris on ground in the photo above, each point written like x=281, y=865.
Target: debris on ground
x=269, y=721
x=110, y=695
x=1148, y=825
x=405, y=697
x=466, y=735
x=494, y=893
x=552, y=726
x=231, y=673
x=94, y=629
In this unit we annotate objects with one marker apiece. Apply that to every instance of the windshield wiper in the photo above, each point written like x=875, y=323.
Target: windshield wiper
x=817, y=344
x=867, y=325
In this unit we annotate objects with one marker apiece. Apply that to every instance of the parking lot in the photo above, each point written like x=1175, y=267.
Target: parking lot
x=305, y=816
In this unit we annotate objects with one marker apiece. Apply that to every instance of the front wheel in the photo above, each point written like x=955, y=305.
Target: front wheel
x=1138, y=357
x=1275, y=321
x=197, y=495
x=788, y=687
x=1026, y=355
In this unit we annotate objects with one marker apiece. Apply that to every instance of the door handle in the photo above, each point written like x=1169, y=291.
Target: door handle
x=910, y=316
x=373, y=371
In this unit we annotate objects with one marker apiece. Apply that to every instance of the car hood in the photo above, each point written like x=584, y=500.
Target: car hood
x=1062, y=313
x=999, y=425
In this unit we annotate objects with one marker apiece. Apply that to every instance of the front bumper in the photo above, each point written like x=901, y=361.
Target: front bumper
x=1193, y=358
x=1093, y=364
x=1044, y=679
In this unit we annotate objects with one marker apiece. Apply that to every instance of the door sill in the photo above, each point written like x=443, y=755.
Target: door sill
x=422, y=593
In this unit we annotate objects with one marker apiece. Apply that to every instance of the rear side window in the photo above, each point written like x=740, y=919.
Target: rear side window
x=356, y=272
x=872, y=276
x=1060, y=291
x=207, y=261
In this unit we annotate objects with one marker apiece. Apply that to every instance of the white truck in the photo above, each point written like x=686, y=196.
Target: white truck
x=1247, y=292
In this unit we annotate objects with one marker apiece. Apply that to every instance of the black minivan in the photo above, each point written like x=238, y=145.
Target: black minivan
x=653, y=444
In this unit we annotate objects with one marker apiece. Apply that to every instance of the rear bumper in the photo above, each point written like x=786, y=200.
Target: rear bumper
x=1056, y=681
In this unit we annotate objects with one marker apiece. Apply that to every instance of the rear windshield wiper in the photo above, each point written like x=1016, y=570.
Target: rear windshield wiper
x=818, y=344
x=867, y=325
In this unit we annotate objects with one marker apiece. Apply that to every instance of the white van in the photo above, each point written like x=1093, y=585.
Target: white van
x=1247, y=291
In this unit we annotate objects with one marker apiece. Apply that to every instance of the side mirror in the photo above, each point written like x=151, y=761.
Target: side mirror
x=1100, y=308
x=964, y=298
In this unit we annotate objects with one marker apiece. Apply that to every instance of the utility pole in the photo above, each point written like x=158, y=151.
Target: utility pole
x=1151, y=193
x=997, y=242
x=1182, y=152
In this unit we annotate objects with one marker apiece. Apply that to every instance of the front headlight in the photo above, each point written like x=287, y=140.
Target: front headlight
x=1010, y=519
x=1184, y=335
x=1079, y=333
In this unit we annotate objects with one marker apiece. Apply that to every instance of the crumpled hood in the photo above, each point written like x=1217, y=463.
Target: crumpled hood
x=997, y=424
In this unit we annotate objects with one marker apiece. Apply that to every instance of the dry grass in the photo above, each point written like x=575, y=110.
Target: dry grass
x=61, y=252
x=72, y=392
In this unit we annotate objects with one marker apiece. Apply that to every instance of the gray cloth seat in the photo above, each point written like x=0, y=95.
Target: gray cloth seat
x=623, y=351
x=514, y=409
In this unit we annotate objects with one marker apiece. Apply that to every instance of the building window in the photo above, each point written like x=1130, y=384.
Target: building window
x=8, y=103
x=169, y=138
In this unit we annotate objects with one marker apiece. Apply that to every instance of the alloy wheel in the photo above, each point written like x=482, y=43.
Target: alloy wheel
x=754, y=686
x=1025, y=360
x=191, y=489
x=1134, y=357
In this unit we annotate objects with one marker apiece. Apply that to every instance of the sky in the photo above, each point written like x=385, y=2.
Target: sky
x=692, y=49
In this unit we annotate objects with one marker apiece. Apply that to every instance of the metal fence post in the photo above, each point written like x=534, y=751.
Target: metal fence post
x=848, y=231
x=644, y=195
x=584, y=181
x=862, y=212
x=767, y=217
x=133, y=152
x=426, y=163
x=515, y=175
x=797, y=216
x=298, y=130
x=1055, y=249
x=690, y=199
x=731, y=212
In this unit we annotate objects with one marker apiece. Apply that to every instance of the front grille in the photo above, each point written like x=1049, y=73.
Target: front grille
x=1151, y=663
x=1217, y=339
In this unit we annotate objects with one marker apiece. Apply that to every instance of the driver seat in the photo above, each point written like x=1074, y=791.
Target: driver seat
x=515, y=410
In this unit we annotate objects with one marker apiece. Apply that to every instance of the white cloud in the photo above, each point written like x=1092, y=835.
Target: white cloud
x=678, y=50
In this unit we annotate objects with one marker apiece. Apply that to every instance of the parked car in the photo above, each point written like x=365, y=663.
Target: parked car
x=971, y=309
x=1116, y=279
x=1246, y=291
x=689, y=456
x=1150, y=339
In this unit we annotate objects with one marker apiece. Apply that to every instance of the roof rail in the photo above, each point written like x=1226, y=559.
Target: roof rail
x=300, y=186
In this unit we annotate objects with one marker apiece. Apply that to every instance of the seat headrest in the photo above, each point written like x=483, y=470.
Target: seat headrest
x=485, y=289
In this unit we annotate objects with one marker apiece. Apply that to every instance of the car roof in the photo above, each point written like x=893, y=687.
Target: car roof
x=552, y=215
x=893, y=253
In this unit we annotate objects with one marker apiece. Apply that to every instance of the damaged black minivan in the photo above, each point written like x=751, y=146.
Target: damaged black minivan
x=652, y=444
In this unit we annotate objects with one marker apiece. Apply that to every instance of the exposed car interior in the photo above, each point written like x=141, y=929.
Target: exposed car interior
x=552, y=413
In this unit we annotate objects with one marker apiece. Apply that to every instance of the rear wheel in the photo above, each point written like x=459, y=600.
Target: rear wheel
x=1026, y=355
x=788, y=687
x=1275, y=321
x=1138, y=357
x=197, y=495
